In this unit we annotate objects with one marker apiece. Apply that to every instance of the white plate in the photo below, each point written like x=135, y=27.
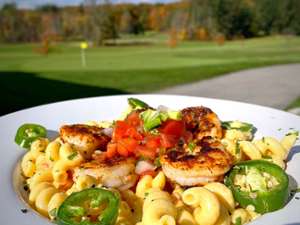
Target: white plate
x=269, y=122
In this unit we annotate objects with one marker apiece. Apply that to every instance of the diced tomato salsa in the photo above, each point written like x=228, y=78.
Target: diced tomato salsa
x=130, y=139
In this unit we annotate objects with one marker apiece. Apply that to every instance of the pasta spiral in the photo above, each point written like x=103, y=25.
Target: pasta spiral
x=46, y=198
x=212, y=203
x=158, y=208
x=125, y=215
x=46, y=166
x=68, y=158
x=242, y=214
x=267, y=148
x=147, y=182
x=205, y=203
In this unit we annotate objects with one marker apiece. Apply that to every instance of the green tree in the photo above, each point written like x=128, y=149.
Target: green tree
x=234, y=18
x=101, y=22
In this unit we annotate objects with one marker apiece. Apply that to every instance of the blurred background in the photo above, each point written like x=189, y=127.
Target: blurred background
x=65, y=49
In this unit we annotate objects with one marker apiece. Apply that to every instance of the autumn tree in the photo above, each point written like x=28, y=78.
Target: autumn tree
x=201, y=21
x=10, y=24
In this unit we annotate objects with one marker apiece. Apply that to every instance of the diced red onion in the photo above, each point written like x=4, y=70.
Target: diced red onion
x=143, y=166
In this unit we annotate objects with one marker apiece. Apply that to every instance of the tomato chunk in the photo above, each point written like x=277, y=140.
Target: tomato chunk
x=111, y=150
x=168, y=141
x=124, y=130
x=122, y=150
x=142, y=151
x=120, y=130
x=133, y=119
x=173, y=127
x=126, y=146
x=133, y=133
x=153, y=142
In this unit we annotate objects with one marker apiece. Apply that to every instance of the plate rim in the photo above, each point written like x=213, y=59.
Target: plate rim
x=140, y=95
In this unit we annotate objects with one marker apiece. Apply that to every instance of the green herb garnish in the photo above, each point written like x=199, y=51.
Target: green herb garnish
x=72, y=156
x=293, y=133
x=137, y=104
x=237, y=148
x=191, y=146
x=151, y=119
x=157, y=162
x=238, y=221
x=245, y=127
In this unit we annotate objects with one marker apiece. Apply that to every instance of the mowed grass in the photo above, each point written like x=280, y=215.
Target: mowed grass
x=294, y=104
x=29, y=78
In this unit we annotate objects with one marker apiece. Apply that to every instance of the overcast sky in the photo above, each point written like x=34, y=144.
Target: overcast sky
x=34, y=3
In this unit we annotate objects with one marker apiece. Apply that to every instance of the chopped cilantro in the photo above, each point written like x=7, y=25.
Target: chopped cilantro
x=144, y=158
x=238, y=221
x=157, y=162
x=293, y=133
x=72, y=155
x=237, y=148
x=245, y=127
x=226, y=125
x=191, y=146
x=146, y=194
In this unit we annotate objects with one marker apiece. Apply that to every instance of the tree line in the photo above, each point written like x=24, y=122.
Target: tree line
x=99, y=20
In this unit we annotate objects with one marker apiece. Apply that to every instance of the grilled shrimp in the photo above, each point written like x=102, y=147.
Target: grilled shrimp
x=114, y=173
x=206, y=163
x=84, y=138
x=202, y=122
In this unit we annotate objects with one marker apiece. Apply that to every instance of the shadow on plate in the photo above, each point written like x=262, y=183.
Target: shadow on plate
x=52, y=134
x=293, y=185
x=297, y=223
x=295, y=150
